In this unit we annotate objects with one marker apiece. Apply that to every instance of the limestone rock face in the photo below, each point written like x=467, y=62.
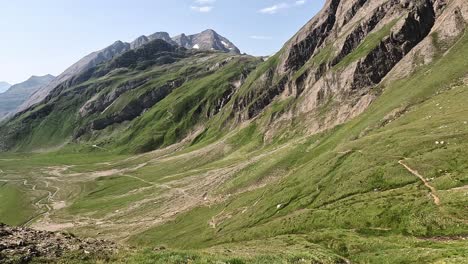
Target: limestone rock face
x=349, y=48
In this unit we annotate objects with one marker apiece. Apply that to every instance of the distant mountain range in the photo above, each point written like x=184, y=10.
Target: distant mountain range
x=18, y=93
x=206, y=40
x=4, y=86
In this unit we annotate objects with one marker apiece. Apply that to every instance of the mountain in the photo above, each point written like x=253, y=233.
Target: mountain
x=18, y=93
x=142, y=40
x=82, y=65
x=4, y=86
x=112, y=94
x=347, y=146
x=207, y=40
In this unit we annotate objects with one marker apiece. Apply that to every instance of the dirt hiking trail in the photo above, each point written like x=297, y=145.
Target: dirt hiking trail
x=426, y=182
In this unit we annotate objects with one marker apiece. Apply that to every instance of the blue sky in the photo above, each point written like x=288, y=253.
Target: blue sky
x=41, y=37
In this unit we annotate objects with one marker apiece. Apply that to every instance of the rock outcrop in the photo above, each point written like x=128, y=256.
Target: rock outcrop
x=21, y=245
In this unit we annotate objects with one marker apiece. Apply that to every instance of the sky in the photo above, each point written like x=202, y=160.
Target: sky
x=47, y=36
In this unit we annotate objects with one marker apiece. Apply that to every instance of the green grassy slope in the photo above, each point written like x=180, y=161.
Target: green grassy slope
x=15, y=206
x=339, y=194
x=388, y=186
x=350, y=178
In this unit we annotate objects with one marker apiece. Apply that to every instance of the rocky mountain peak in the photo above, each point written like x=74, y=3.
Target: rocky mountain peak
x=162, y=35
x=140, y=41
x=197, y=41
x=117, y=47
x=35, y=80
x=209, y=31
x=350, y=139
x=206, y=40
x=182, y=40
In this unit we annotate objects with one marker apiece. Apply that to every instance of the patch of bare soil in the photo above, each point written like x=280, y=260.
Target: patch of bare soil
x=177, y=195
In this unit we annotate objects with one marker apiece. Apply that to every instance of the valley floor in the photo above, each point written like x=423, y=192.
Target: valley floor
x=397, y=194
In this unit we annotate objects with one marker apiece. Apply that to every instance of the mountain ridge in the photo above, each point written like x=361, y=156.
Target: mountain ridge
x=116, y=49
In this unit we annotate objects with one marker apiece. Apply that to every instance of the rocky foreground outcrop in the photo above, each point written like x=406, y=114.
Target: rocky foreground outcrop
x=21, y=245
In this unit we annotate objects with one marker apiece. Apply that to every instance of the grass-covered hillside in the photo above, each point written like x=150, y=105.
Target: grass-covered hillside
x=353, y=191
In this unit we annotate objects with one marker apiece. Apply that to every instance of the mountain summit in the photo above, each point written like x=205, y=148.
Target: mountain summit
x=206, y=40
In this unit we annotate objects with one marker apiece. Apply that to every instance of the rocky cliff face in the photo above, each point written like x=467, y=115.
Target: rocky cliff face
x=238, y=154
x=332, y=65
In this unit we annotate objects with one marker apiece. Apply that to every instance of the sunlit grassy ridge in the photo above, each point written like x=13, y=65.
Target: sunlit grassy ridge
x=202, y=80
